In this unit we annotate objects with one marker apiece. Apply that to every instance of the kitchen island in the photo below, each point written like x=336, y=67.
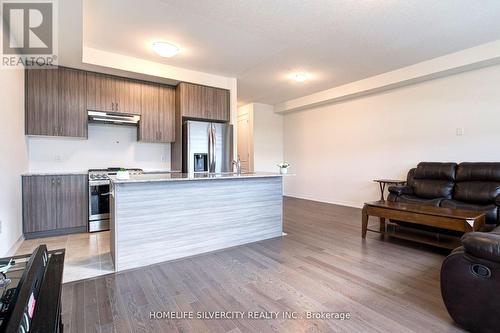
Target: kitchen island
x=161, y=217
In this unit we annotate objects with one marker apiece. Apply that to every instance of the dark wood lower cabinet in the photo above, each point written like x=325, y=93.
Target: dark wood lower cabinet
x=54, y=205
x=39, y=204
x=72, y=201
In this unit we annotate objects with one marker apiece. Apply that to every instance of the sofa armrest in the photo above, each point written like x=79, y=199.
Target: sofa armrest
x=399, y=190
x=484, y=245
x=470, y=295
x=497, y=200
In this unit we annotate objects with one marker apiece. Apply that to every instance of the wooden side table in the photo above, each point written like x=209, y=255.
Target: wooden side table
x=383, y=182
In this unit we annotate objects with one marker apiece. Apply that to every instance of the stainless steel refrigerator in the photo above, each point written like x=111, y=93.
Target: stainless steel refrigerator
x=207, y=147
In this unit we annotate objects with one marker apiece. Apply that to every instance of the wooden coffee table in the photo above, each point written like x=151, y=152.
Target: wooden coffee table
x=444, y=218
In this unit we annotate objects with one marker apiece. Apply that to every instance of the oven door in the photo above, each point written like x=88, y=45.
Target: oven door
x=98, y=201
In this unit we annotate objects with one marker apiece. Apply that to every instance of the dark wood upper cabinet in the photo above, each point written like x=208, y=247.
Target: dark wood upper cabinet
x=41, y=108
x=128, y=96
x=56, y=102
x=221, y=104
x=148, y=126
x=166, y=114
x=191, y=100
x=100, y=92
x=158, y=113
x=202, y=102
x=113, y=94
x=54, y=204
x=72, y=107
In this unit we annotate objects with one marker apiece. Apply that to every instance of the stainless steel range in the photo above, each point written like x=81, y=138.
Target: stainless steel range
x=99, y=197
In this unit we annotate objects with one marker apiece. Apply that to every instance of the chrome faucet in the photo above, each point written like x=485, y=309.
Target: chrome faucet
x=238, y=165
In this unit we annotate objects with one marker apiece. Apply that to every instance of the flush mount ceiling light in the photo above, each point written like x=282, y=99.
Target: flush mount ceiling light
x=300, y=77
x=165, y=49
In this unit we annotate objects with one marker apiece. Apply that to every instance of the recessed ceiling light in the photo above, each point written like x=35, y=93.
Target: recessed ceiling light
x=165, y=49
x=300, y=77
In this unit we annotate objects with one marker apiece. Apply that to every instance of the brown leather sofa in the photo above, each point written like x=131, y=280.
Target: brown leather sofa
x=470, y=282
x=472, y=186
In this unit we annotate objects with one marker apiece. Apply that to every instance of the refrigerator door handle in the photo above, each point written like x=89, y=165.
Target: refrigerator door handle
x=214, y=142
x=209, y=148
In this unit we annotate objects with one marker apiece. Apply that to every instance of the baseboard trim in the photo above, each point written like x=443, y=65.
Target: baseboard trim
x=57, y=232
x=13, y=249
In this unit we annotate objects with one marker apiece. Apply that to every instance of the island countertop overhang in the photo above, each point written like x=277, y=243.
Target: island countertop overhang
x=168, y=177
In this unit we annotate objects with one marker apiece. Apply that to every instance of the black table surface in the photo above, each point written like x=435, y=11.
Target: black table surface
x=390, y=181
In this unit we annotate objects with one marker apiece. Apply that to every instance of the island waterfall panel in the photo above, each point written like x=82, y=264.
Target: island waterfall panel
x=160, y=221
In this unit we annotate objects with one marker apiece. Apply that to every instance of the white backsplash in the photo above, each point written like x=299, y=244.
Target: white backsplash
x=107, y=146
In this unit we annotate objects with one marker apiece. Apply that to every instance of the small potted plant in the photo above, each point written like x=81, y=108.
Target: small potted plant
x=122, y=174
x=284, y=167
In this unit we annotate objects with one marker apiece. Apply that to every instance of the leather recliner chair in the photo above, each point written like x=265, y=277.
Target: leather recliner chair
x=470, y=282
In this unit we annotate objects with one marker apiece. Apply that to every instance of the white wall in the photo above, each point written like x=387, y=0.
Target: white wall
x=245, y=137
x=268, y=138
x=14, y=156
x=107, y=146
x=337, y=150
x=265, y=136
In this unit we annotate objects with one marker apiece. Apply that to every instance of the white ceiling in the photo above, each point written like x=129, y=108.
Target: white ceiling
x=261, y=41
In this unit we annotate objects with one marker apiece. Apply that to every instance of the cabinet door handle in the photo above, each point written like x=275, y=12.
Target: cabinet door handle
x=58, y=181
x=116, y=106
x=113, y=106
x=53, y=181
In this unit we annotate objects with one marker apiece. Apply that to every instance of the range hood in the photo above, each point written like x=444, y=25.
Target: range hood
x=113, y=118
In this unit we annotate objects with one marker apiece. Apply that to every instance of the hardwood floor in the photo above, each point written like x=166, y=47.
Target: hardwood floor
x=322, y=265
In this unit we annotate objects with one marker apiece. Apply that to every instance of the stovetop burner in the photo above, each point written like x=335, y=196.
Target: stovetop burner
x=103, y=174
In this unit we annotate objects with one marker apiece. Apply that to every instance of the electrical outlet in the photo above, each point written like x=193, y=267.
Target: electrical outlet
x=460, y=131
x=163, y=158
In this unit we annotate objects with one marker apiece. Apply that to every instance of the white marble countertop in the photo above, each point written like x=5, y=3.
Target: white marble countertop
x=160, y=171
x=54, y=173
x=162, y=177
x=84, y=172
